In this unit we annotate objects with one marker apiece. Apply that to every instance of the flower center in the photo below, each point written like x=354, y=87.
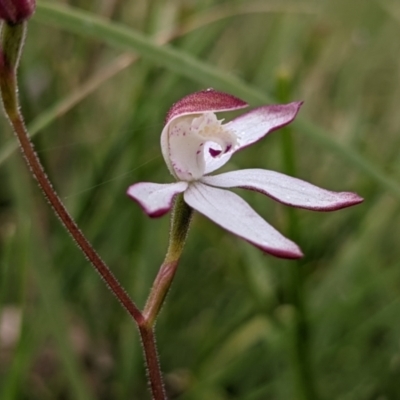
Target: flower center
x=193, y=139
x=210, y=129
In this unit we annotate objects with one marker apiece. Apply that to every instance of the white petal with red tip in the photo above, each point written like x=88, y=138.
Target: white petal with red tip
x=285, y=189
x=233, y=214
x=156, y=199
x=253, y=126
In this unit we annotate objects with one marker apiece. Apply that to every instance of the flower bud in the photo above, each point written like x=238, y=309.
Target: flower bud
x=16, y=11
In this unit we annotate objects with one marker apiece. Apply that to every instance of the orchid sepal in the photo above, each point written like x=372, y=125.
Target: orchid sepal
x=232, y=213
x=155, y=199
x=285, y=189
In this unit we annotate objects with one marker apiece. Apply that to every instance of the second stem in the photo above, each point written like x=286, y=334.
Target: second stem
x=305, y=384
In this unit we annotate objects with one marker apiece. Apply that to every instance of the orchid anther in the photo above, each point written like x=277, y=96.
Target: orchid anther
x=195, y=143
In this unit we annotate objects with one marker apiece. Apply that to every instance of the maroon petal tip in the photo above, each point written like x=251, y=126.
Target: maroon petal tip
x=152, y=214
x=285, y=254
x=158, y=213
x=349, y=199
x=155, y=199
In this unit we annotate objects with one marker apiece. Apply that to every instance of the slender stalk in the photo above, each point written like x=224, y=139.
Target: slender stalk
x=305, y=380
x=12, y=37
x=146, y=332
x=180, y=223
x=152, y=362
x=305, y=383
x=9, y=90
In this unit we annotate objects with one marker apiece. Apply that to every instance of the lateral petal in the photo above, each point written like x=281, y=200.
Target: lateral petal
x=155, y=199
x=285, y=189
x=233, y=214
x=253, y=126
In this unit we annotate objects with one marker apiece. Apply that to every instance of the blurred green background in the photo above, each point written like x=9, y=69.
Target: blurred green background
x=96, y=106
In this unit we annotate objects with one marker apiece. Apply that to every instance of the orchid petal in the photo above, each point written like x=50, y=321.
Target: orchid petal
x=253, y=126
x=156, y=199
x=285, y=189
x=233, y=214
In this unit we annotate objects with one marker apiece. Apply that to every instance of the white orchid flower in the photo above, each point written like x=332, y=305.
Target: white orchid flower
x=195, y=143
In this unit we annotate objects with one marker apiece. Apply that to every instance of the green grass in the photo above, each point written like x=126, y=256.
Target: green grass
x=226, y=329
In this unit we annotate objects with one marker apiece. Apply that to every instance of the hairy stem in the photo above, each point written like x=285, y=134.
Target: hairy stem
x=12, y=37
x=153, y=365
x=8, y=88
x=180, y=223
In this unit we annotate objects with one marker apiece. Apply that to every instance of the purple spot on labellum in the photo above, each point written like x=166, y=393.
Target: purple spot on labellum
x=214, y=153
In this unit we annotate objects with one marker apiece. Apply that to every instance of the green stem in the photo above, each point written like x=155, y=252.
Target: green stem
x=180, y=223
x=305, y=384
x=305, y=381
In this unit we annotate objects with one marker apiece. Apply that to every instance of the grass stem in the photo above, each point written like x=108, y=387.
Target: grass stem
x=305, y=385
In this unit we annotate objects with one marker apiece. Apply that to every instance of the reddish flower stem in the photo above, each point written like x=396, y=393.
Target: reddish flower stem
x=159, y=291
x=153, y=365
x=10, y=49
x=145, y=330
x=9, y=54
x=37, y=170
